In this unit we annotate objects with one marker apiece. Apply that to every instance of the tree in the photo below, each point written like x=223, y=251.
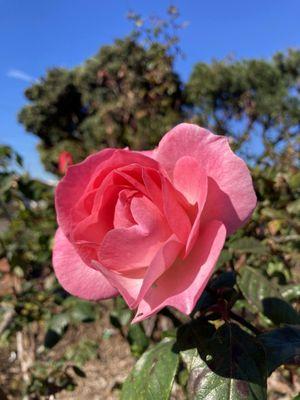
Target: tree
x=252, y=100
x=127, y=95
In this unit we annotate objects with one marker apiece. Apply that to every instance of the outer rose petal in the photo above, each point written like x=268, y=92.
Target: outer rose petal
x=71, y=186
x=183, y=283
x=163, y=260
x=148, y=153
x=231, y=197
x=175, y=214
x=191, y=180
x=75, y=276
x=128, y=285
x=133, y=284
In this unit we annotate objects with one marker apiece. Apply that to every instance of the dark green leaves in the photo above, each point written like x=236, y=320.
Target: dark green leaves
x=56, y=328
x=80, y=310
x=76, y=311
x=137, y=339
x=229, y=365
x=290, y=292
x=153, y=375
x=223, y=364
x=265, y=297
x=248, y=245
x=282, y=346
x=120, y=315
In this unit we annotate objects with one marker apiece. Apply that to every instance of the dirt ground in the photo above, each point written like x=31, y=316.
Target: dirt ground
x=106, y=373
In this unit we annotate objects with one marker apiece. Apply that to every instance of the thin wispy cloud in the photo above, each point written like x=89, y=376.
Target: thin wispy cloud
x=21, y=75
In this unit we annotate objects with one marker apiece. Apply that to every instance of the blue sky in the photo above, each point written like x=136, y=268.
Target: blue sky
x=36, y=35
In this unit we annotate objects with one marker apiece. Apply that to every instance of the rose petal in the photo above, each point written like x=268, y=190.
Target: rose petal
x=148, y=216
x=134, y=284
x=175, y=214
x=83, y=178
x=128, y=283
x=163, y=259
x=182, y=284
x=235, y=198
x=75, y=276
x=70, y=188
x=120, y=159
x=152, y=182
x=190, y=179
x=88, y=233
x=123, y=217
x=135, y=247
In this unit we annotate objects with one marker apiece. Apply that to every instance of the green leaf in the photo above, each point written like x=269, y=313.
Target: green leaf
x=119, y=318
x=279, y=271
x=82, y=351
x=205, y=301
x=56, y=329
x=51, y=338
x=137, y=339
x=153, y=375
x=248, y=245
x=59, y=322
x=294, y=207
x=229, y=365
x=225, y=256
x=282, y=346
x=121, y=314
x=290, y=292
x=225, y=279
x=83, y=311
x=294, y=181
x=19, y=160
x=265, y=297
x=6, y=183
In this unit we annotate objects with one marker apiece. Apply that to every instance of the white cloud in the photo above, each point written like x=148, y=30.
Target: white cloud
x=21, y=75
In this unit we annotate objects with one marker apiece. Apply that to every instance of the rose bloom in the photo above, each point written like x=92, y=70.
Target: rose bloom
x=65, y=159
x=150, y=225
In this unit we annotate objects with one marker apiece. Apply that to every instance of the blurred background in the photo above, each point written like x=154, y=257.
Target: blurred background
x=78, y=76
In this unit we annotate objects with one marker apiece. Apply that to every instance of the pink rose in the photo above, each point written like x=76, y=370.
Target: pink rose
x=65, y=159
x=150, y=225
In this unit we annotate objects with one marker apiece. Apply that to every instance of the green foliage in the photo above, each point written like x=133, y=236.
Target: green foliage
x=75, y=312
x=229, y=364
x=266, y=297
x=248, y=99
x=50, y=377
x=248, y=245
x=290, y=292
x=120, y=317
x=282, y=346
x=137, y=339
x=153, y=374
x=126, y=95
x=27, y=219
